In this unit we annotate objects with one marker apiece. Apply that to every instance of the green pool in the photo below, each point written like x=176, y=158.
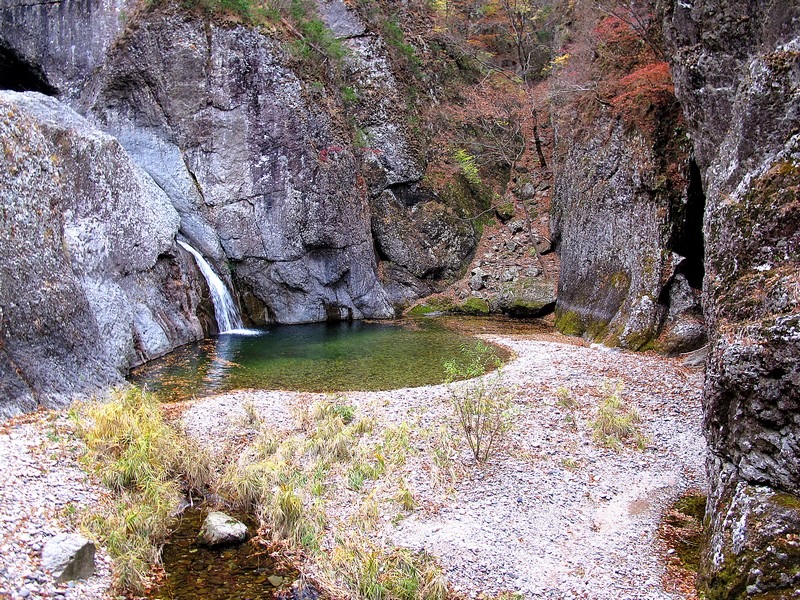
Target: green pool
x=318, y=357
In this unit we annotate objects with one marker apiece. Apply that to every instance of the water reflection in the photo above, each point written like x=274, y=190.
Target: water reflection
x=317, y=357
x=222, y=359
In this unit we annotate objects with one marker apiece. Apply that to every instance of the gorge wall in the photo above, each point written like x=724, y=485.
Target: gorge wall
x=674, y=168
x=209, y=131
x=91, y=279
x=737, y=74
x=627, y=206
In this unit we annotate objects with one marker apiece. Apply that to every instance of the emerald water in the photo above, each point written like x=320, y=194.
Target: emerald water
x=317, y=357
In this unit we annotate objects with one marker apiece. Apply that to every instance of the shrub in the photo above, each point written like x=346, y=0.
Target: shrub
x=483, y=408
x=367, y=570
x=469, y=169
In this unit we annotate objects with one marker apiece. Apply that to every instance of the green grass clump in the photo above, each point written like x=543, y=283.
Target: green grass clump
x=405, y=498
x=565, y=399
x=148, y=465
x=373, y=572
x=615, y=422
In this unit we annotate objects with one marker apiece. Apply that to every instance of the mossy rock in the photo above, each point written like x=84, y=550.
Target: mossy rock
x=763, y=561
x=527, y=297
x=472, y=306
x=430, y=307
x=569, y=322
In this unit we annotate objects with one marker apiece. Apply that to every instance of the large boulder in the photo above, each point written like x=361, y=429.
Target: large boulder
x=91, y=279
x=737, y=74
x=68, y=556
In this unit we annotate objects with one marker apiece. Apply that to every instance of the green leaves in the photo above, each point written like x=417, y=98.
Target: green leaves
x=483, y=407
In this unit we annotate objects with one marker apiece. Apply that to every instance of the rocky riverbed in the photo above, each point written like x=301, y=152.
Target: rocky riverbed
x=553, y=514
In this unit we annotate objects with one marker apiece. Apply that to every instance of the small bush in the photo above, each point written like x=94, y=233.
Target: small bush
x=469, y=168
x=484, y=409
x=405, y=498
x=284, y=512
x=564, y=399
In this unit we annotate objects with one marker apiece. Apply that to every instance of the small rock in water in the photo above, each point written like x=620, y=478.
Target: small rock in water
x=69, y=556
x=219, y=529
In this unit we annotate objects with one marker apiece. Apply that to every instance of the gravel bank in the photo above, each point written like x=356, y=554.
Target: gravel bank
x=552, y=515
x=42, y=492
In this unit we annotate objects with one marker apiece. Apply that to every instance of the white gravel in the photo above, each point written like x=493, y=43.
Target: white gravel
x=527, y=523
x=553, y=514
x=42, y=491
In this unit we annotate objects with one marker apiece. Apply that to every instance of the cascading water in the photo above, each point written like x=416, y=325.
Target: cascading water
x=228, y=319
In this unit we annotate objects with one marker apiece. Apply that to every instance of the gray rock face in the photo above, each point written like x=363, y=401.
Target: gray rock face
x=420, y=241
x=259, y=175
x=91, y=282
x=737, y=74
x=68, y=556
x=267, y=184
x=264, y=185
x=60, y=42
x=339, y=19
x=425, y=242
x=614, y=220
x=220, y=529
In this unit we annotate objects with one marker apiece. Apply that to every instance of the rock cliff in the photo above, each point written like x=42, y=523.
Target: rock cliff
x=234, y=147
x=90, y=278
x=265, y=185
x=737, y=74
x=627, y=206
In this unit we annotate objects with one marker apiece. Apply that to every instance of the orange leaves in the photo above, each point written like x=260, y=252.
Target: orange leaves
x=653, y=75
x=613, y=31
x=641, y=93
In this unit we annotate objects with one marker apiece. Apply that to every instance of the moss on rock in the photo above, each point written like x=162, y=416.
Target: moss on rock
x=472, y=306
x=569, y=322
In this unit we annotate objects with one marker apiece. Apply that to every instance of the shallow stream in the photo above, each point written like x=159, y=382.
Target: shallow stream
x=246, y=571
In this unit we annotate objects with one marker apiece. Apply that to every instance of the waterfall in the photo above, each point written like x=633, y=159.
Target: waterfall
x=227, y=316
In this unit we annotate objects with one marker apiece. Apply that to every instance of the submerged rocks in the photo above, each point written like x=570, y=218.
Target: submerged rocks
x=220, y=529
x=68, y=556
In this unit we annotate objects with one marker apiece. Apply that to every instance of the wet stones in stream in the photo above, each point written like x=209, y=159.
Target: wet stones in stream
x=246, y=570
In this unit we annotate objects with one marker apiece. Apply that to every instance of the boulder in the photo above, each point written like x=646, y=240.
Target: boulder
x=220, y=529
x=91, y=279
x=525, y=297
x=476, y=282
x=68, y=556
